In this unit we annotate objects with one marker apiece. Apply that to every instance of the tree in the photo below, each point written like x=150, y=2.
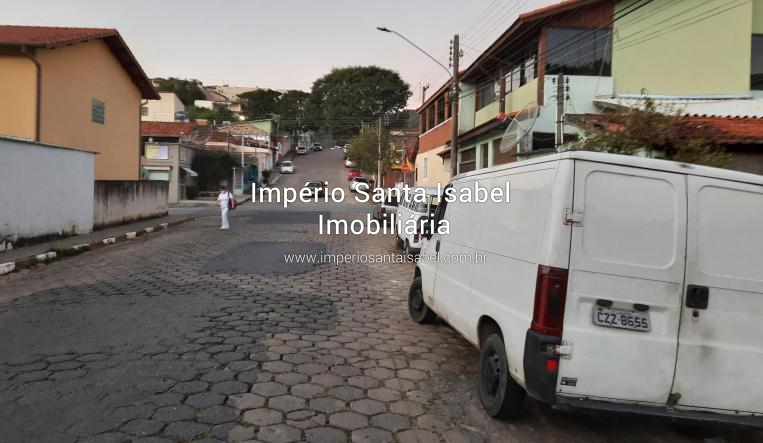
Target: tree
x=364, y=149
x=648, y=132
x=216, y=114
x=292, y=109
x=260, y=103
x=213, y=167
x=346, y=96
x=186, y=90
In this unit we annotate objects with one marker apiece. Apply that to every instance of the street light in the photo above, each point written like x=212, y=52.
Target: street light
x=384, y=29
x=453, y=91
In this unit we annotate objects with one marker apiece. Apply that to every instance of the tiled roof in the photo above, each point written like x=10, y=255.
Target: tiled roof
x=166, y=129
x=46, y=37
x=50, y=37
x=724, y=130
x=698, y=107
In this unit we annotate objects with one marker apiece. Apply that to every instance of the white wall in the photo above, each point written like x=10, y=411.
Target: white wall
x=163, y=110
x=44, y=190
x=583, y=90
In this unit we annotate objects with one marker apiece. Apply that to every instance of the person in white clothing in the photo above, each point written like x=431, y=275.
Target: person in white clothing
x=224, y=199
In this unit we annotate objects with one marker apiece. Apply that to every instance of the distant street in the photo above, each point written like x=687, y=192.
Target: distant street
x=198, y=334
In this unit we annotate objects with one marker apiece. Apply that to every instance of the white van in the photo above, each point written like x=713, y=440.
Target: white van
x=413, y=208
x=607, y=282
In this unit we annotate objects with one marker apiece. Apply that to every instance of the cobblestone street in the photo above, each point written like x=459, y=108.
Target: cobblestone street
x=202, y=334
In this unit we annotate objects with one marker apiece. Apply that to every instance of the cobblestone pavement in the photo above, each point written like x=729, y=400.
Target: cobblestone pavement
x=204, y=335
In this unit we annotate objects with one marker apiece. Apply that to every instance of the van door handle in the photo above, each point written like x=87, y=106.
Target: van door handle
x=697, y=297
x=437, y=247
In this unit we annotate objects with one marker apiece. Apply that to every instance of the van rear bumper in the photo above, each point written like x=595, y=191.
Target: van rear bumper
x=673, y=415
x=540, y=383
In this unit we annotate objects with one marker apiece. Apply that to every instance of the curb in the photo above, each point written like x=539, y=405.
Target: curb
x=24, y=263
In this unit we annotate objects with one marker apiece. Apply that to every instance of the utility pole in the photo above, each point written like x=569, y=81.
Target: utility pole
x=379, y=157
x=424, y=93
x=454, y=90
x=560, y=93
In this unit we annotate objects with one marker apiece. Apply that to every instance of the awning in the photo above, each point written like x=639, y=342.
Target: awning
x=444, y=151
x=156, y=168
x=190, y=171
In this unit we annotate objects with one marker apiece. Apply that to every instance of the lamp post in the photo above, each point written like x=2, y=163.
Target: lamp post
x=453, y=91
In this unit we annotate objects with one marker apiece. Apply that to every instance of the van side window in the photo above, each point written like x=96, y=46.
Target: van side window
x=440, y=211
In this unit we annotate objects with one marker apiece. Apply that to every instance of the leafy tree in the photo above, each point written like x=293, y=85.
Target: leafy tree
x=364, y=149
x=345, y=95
x=186, y=90
x=292, y=110
x=648, y=132
x=260, y=103
x=213, y=167
x=216, y=114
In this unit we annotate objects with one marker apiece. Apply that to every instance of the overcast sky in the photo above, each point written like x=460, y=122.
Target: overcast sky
x=283, y=44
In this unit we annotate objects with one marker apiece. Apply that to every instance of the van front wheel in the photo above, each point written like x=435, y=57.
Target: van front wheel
x=418, y=310
x=500, y=395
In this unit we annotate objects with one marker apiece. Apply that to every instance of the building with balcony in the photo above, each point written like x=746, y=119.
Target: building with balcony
x=519, y=72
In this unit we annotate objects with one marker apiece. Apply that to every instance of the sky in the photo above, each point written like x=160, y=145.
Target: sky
x=284, y=44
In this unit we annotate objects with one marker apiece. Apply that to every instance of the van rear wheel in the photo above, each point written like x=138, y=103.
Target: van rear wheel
x=418, y=310
x=500, y=395
x=398, y=243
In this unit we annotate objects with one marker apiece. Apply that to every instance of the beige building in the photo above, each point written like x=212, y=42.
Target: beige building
x=79, y=87
x=168, y=108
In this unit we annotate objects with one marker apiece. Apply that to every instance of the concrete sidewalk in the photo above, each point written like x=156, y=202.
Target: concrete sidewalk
x=27, y=256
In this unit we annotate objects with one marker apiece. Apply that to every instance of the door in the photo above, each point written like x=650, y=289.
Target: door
x=720, y=352
x=452, y=284
x=625, y=283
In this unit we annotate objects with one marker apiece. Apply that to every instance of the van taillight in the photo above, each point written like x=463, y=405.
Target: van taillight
x=416, y=238
x=550, y=294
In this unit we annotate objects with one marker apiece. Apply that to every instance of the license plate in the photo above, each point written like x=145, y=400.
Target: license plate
x=618, y=318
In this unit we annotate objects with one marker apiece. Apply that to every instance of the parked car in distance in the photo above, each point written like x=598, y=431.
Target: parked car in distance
x=301, y=150
x=316, y=187
x=317, y=147
x=349, y=163
x=354, y=173
x=609, y=283
x=410, y=208
x=287, y=167
x=359, y=183
x=383, y=211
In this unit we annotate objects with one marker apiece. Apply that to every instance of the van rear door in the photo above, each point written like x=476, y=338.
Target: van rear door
x=625, y=283
x=720, y=351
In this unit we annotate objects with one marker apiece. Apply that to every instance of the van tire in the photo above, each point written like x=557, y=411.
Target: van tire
x=417, y=308
x=500, y=395
x=407, y=248
x=398, y=243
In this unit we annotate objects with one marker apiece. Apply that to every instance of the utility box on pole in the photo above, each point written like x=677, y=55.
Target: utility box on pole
x=454, y=91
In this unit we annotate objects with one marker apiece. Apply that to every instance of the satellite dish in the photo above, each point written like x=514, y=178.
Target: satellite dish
x=520, y=126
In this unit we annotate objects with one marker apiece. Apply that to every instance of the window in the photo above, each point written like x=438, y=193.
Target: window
x=484, y=154
x=440, y=110
x=430, y=117
x=144, y=111
x=468, y=160
x=98, y=111
x=486, y=94
x=579, y=51
x=425, y=167
x=157, y=152
x=756, y=65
